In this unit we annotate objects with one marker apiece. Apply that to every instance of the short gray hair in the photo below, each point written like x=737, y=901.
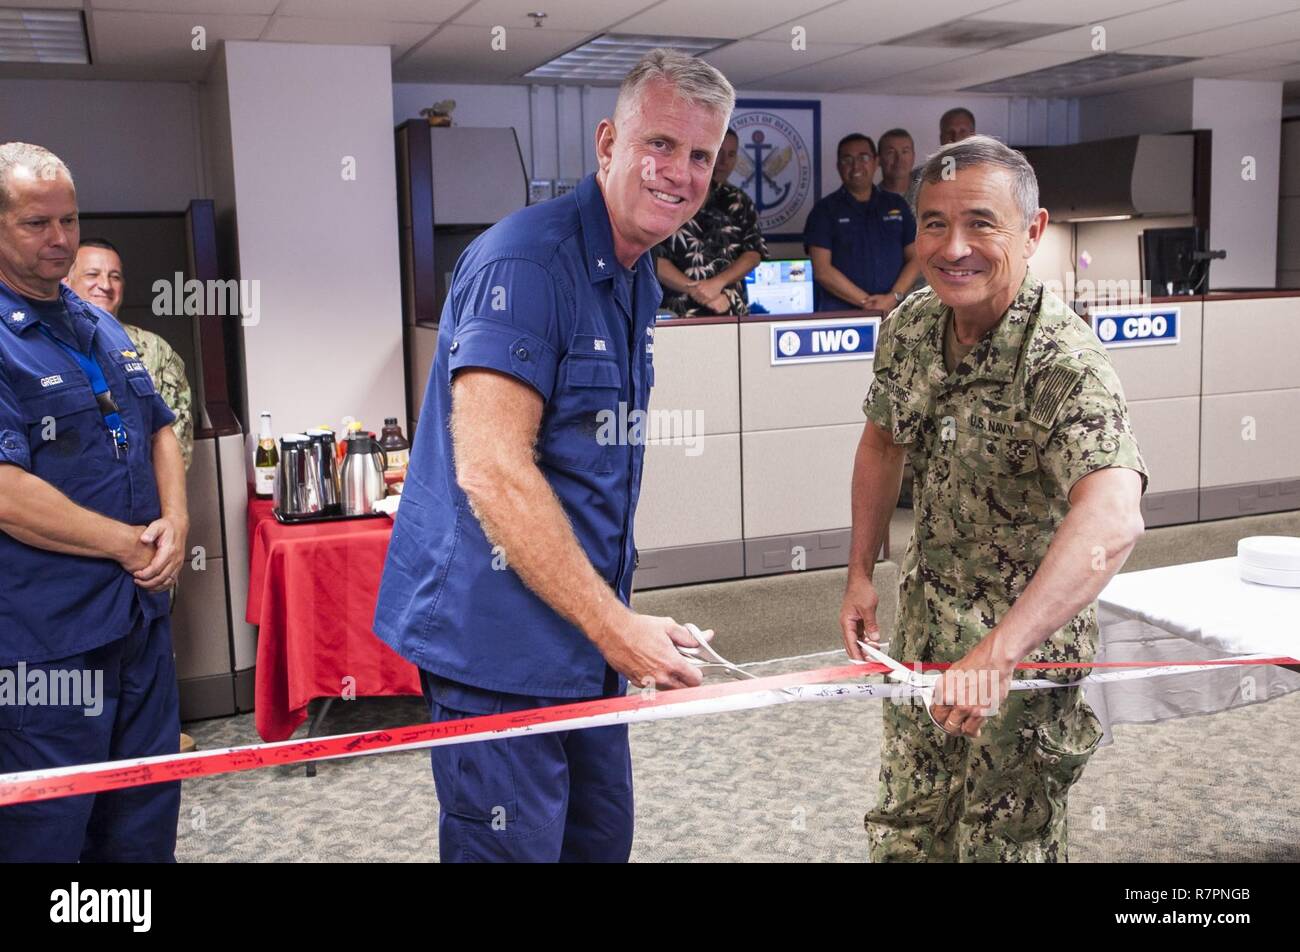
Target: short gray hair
x=982, y=150
x=40, y=161
x=694, y=80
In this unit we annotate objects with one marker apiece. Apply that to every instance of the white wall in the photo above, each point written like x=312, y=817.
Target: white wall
x=216, y=146
x=1051, y=259
x=329, y=340
x=132, y=147
x=1042, y=121
x=547, y=118
x=1112, y=247
x=1166, y=108
x=1247, y=121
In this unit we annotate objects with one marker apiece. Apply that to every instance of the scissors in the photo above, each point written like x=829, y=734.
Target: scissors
x=692, y=655
x=924, y=683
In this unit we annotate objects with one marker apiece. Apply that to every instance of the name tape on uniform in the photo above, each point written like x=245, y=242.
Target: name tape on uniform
x=807, y=342
x=1135, y=326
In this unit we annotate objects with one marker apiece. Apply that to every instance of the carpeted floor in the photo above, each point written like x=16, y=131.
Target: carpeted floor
x=789, y=783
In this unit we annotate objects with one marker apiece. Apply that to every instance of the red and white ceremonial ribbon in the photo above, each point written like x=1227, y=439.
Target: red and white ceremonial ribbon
x=824, y=684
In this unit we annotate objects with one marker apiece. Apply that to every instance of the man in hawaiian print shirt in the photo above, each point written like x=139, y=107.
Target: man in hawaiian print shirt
x=702, y=267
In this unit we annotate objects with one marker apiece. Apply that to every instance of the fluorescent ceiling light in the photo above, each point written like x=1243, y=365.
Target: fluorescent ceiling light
x=979, y=34
x=43, y=36
x=1078, y=73
x=609, y=57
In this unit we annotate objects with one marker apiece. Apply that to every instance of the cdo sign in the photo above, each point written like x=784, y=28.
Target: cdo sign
x=808, y=342
x=1135, y=326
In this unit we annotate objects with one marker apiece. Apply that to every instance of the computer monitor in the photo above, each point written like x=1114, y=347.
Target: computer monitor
x=1167, y=260
x=782, y=286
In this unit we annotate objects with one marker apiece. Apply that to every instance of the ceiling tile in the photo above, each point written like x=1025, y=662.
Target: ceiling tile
x=593, y=15
x=464, y=53
x=1221, y=67
x=1288, y=73
x=726, y=18
x=1068, y=12
x=862, y=67
x=1289, y=52
x=1234, y=38
x=400, y=36
x=162, y=41
x=988, y=66
x=220, y=7
x=849, y=22
x=1078, y=40
x=746, y=62
x=408, y=11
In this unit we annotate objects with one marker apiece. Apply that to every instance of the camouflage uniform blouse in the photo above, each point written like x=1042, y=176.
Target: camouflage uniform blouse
x=167, y=370
x=995, y=448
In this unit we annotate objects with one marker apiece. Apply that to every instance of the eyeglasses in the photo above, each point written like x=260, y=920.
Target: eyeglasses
x=859, y=159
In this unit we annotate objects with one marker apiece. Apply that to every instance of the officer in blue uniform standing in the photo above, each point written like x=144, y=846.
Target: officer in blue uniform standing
x=510, y=567
x=861, y=238
x=92, y=536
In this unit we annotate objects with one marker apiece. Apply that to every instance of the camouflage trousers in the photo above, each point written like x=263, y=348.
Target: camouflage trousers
x=1000, y=797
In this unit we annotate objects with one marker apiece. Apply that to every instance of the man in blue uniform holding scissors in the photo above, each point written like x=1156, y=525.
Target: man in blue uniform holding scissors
x=510, y=567
x=92, y=536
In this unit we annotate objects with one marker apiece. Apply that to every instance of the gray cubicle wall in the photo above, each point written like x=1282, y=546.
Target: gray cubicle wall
x=1250, y=406
x=688, y=521
x=800, y=426
x=1162, y=386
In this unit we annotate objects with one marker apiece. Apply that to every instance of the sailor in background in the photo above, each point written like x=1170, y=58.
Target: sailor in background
x=93, y=523
x=703, y=265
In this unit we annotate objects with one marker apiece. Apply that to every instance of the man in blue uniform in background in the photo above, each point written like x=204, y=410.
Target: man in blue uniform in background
x=861, y=238
x=510, y=568
x=92, y=536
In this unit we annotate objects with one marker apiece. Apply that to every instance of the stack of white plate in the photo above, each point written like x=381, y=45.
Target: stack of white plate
x=1270, y=560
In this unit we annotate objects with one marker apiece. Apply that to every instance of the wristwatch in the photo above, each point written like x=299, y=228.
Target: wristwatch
x=899, y=297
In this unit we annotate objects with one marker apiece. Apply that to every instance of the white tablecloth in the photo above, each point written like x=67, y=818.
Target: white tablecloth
x=1193, y=612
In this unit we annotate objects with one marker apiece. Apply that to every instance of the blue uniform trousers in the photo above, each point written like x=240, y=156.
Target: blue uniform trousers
x=561, y=797
x=139, y=718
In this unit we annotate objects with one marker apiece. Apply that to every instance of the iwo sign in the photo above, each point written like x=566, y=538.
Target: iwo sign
x=824, y=340
x=1135, y=326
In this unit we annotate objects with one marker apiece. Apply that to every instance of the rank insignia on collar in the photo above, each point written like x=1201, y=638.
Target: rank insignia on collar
x=130, y=353
x=18, y=316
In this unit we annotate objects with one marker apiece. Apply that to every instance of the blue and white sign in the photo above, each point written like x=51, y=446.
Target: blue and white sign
x=808, y=342
x=1135, y=326
x=778, y=162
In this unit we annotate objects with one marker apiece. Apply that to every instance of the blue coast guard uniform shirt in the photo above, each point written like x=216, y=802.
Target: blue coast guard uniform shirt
x=866, y=240
x=541, y=297
x=54, y=605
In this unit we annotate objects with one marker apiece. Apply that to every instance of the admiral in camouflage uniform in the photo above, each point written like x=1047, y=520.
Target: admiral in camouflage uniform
x=167, y=370
x=995, y=446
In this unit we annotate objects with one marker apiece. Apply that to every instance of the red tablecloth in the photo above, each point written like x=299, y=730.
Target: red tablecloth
x=311, y=592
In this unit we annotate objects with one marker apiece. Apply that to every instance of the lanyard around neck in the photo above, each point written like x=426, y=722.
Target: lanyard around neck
x=108, y=407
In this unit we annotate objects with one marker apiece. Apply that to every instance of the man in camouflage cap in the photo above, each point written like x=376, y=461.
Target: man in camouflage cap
x=1027, y=488
x=97, y=277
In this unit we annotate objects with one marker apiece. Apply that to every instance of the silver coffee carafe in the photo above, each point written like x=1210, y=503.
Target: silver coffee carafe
x=363, y=474
x=299, y=487
x=322, y=451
